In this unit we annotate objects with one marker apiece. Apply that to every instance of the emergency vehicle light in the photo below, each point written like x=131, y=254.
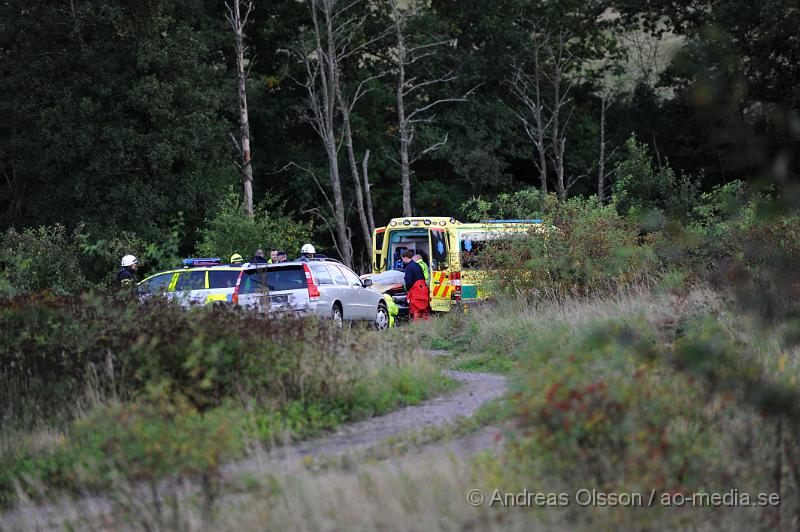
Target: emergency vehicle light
x=406, y=222
x=442, y=223
x=534, y=221
x=427, y=222
x=191, y=263
x=392, y=224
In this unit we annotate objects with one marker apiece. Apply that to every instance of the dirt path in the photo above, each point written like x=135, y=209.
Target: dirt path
x=476, y=389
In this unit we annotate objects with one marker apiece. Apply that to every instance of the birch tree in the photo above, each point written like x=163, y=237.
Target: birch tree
x=605, y=103
x=335, y=37
x=413, y=106
x=367, y=193
x=346, y=106
x=237, y=23
x=542, y=81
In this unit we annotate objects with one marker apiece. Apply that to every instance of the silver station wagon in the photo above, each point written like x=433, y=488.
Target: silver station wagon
x=323, y=287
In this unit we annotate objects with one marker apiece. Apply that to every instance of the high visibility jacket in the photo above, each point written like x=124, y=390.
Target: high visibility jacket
x=425, y=271
x=392, y=307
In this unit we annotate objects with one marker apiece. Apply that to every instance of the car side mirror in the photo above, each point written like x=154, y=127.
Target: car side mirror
x=366, y=283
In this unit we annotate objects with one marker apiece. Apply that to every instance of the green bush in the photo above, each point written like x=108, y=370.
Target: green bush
x=523, y=204
x=232, y=231
x=54, y=346
x=53, y=258
x=640, y=189
x=583, y=246
x=45, y=258
x=594, y=409
x=100, y=260
x=173, y=390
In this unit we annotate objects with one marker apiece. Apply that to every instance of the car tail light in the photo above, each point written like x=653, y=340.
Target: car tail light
x=455, y=282
x=313, y=291
x=235, y=296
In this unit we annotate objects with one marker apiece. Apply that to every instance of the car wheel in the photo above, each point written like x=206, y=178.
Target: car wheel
x=382, y=318
x=336, y=316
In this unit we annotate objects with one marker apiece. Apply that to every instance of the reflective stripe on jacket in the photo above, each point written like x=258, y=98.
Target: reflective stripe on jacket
x=425, y=271
x=391, y=307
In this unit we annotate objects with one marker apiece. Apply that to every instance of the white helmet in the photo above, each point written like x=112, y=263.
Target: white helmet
x=307, y=248
x=128, y=260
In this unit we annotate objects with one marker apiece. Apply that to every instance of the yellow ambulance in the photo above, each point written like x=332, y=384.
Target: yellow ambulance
x=452, y=250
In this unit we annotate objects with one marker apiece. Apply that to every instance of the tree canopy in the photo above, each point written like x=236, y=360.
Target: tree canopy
x=117, y=116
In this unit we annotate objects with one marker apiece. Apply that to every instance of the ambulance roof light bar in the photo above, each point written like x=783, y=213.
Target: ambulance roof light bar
x=533, y=221
x=193, y=263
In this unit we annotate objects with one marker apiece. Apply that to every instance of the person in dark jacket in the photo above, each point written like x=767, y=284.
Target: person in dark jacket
x=258, y=258
x=417, y=293
x=127, y=275
x=413, y=271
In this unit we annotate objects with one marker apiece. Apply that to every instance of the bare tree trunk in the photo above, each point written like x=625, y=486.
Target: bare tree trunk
x=334, y=25
x=237, y=23
x=407, y=112
x=329, y=91
x=367, y=193
x=658, y=153
x=527, y=88
x=405, y=165
x=558, y=141
x=601, y=163
x=76, y=26
x=348, y=140
x=540, y=126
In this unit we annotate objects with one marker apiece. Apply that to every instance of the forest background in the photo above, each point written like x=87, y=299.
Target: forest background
x=120, y=122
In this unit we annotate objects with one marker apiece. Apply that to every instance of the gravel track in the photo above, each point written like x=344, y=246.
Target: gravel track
x=475, y=390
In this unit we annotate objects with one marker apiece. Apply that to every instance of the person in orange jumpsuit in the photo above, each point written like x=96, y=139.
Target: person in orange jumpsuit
x=417, y=293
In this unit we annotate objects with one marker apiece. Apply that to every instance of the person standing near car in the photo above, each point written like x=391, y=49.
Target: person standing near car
x=236, y=258
x=391, y=308
x=273, y=256
x=281, y=257
x=416, y=288
x=425, y=271
x=308, y=251
x=258, y=258
x=127, y=275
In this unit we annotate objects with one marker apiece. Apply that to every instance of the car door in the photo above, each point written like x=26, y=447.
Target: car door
x=190, y=287
x=362, y=300
x=328, y=291
x=221, y=284
x=340, y=290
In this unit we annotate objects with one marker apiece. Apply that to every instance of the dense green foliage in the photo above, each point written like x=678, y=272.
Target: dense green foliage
x=117, y=116
x=640, y=189
x=583, y=247
x=231, y=231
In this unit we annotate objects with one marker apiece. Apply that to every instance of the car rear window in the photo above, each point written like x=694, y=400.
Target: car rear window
x=193, y=280
x=274, y=280
x=321, y=274
x=222, y=278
